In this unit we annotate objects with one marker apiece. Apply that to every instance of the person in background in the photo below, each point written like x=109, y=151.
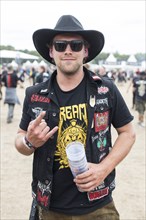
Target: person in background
x=42, y=75
x=121, y=76
x=132, y=84
x=1, y=94
x=33, y=75
x=10, y=80
x=73, y=106
x=102, y=71
x=140, y=97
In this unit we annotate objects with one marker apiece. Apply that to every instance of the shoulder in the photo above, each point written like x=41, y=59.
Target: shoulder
x=36, y=88
x=104, y=81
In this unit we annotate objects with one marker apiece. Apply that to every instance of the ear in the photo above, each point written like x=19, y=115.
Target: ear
x=51, y=52
x=86, y=52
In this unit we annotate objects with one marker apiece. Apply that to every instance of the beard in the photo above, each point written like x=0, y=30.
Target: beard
x=69, y=68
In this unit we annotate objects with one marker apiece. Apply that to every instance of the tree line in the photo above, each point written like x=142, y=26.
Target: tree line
x=101, y=57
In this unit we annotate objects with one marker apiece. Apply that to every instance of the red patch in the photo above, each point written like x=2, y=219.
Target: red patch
x=42, y=199
x=98, y=194
x=101, y=121
x=103, y=90
x=38, y=98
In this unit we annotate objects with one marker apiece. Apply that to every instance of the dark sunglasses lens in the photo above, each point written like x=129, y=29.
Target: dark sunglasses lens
x=76, y=45
x=60, y=46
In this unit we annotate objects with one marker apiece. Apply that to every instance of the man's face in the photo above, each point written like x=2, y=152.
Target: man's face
x=68, y=61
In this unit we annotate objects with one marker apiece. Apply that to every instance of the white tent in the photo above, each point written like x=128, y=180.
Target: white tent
x=27, y=64
x=132, y=59
x=35, y=64
x=14, y=64
x=17, y=55
x=43, y=63
x=111, y=59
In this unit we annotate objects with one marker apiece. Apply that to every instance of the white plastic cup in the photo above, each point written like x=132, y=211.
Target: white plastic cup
x=76, y=157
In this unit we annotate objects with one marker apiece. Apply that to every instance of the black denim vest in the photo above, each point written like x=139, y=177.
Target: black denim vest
x=99, y=102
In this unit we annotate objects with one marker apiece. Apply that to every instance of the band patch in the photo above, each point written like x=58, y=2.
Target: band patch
x=43, y=199
x=43, y=193
x=101, y=121
x=98, y=194
x=103, y=90
x=37, y=111
x=38, y=98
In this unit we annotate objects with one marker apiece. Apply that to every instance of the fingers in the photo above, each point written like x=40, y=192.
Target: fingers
x=51, y=132
x=46, y=133
x=86, y=184
x=39, y=119
x=39, y=132
x=86, y=187
x=42, y=125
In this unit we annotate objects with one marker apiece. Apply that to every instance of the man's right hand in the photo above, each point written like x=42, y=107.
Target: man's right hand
x=38, y=132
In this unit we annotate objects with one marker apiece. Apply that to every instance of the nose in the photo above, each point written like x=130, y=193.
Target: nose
x=68, y=48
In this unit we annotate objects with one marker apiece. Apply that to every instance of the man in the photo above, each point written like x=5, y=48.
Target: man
x=102, y=71
x=73, y=106
x=140, y=96
x=10, y=81
x=42, y=75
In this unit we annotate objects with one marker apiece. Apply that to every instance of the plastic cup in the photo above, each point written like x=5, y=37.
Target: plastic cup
x=76, y=157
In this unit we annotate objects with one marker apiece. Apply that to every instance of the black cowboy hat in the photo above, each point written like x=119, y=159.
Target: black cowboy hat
x=68, y=24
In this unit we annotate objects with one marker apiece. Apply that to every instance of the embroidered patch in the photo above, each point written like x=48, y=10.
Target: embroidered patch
x=101, y=143
x=43, y=194
x=103, y=90
x=101, y=121
x=112, y=185
x=38, y=98
x=37, y=111
x=42, y=199
x=102, y=102
x=98, y=194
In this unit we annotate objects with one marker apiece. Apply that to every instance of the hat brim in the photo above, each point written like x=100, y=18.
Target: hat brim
x=42, y=38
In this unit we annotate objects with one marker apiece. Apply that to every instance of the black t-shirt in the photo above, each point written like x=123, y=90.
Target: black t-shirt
x=72, y=127
x=10, y=79
x=73, y=123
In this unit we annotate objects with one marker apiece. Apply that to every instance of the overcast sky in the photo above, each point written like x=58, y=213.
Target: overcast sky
x=121, y=22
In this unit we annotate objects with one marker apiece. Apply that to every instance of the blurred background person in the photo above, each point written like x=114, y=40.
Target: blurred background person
x=10, y=80
x=1, y=95
x=140, y=97
x=42, y=75
x=121, y=76
x=132, y=84
x=33, y=75
x=102, y=71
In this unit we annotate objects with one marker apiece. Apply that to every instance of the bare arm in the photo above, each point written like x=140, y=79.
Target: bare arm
x=37, y=134
x=20, y=145
x=98, y=172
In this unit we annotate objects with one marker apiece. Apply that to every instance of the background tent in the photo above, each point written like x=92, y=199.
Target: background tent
x=111, y=59
x=9, y=55
x=132, y=59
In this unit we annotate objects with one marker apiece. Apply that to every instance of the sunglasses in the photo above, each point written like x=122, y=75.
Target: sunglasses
x=75, y=45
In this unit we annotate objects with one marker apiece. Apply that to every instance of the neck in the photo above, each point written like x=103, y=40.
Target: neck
x=69, y=82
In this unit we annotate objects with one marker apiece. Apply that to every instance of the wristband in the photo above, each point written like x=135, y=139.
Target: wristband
x=28, y=144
